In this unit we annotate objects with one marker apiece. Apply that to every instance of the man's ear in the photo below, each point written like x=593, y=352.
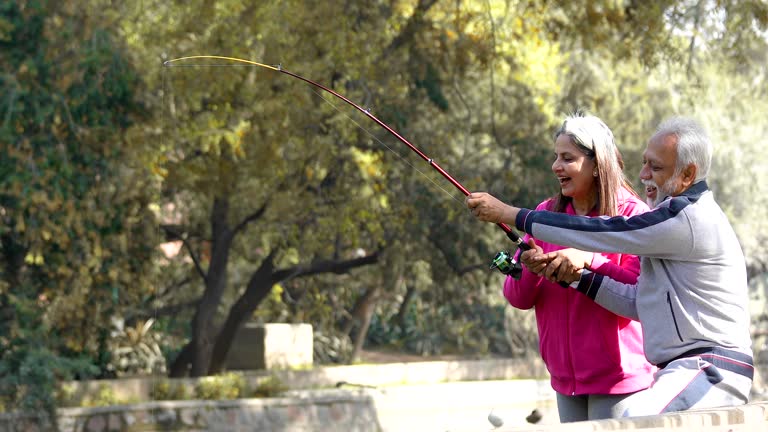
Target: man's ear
x=688, y=176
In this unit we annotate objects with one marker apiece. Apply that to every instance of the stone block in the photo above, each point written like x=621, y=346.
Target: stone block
x=271, y=346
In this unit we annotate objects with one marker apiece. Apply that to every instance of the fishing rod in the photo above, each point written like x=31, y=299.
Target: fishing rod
x=504, y=261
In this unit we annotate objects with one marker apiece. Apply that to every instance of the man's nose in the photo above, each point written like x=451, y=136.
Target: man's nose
x=645, y=173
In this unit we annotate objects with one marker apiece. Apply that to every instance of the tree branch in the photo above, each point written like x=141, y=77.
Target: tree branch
x=250, y=218
x=173, y=234
x=452, y=264
x=410, y=28
x=168, y=290
x=163, y=311
x=326, y=266
x=692, y=45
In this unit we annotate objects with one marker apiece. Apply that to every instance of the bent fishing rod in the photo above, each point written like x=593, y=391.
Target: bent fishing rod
x=503, y=261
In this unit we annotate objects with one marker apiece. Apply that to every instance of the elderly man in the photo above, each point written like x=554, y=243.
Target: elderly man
x=691, y=296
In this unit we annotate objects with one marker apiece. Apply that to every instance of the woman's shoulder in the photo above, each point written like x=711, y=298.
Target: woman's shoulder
x=548, y=204
x=629, y=203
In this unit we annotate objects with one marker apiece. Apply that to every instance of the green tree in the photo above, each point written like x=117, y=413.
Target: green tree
x=259, y=169
x=75, y=238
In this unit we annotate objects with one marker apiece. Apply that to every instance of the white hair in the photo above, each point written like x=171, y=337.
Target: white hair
x=693, y=144
x=595, y=139
x=588, y=131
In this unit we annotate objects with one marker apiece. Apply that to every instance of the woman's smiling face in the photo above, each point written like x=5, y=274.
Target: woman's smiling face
x=574, y=170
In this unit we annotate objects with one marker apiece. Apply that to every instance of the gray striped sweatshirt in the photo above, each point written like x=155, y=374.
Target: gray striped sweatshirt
x=692, y=290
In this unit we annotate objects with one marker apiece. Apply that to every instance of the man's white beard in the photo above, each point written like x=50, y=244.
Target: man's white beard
x=661, y=191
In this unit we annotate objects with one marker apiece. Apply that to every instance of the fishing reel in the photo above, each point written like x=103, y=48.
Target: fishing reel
x=506, y=264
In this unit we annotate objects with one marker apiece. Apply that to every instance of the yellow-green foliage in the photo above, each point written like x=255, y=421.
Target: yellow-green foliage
x=227, y=386
x=220, y=387
x=270, y=387
x=104, y=396
x=167, y=390
x=66, y=395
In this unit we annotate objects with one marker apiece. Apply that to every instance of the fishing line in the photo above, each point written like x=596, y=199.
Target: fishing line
x=401, y=157
x=504, y=261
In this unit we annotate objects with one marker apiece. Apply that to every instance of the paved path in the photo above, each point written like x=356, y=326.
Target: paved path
x=463, y=406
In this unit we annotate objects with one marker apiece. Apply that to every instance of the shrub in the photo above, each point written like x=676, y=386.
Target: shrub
x=135, y=350
x=104, y=396
x=227, y=386
x=167, y=390
x=270, y=387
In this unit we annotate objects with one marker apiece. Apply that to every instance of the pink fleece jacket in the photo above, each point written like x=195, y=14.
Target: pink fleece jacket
x=587, y=349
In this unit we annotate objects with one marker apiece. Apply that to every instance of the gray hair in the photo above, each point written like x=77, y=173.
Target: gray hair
x=693, y=144
x=587, y=131
x=595, y=139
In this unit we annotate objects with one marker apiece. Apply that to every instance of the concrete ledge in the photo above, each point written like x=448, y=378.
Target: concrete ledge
x=271, y=346
x=431, y=396
x=454, y=407
x=342, y=411
x=752, y=417
x=429, y=372
x=369, y=411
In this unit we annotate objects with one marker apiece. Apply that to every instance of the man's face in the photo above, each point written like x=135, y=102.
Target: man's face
x=658, y=171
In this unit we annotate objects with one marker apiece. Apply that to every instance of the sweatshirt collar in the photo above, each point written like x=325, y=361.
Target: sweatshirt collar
x=696, y=190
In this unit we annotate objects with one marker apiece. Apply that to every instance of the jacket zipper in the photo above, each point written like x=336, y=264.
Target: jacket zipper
x=674, y=319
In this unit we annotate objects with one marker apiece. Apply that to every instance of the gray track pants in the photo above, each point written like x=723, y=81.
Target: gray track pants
x=701, y=381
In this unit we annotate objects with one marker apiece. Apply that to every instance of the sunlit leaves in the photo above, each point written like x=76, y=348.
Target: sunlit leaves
x=479, y=86
x=73, y=203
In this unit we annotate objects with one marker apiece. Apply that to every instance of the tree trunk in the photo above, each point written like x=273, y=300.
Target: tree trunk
x=13, y=258
x=363, y=313
x=402, y=312
x=13, y=254
x=203, y=328
x=258, y=289
x=366, y=304
x=356, y=314
x=180, y=366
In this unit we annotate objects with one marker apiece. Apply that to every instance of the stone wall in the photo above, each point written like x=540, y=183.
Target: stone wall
x=342, y=411
x=426, y=396
x=428, y=372
x=349, y=412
